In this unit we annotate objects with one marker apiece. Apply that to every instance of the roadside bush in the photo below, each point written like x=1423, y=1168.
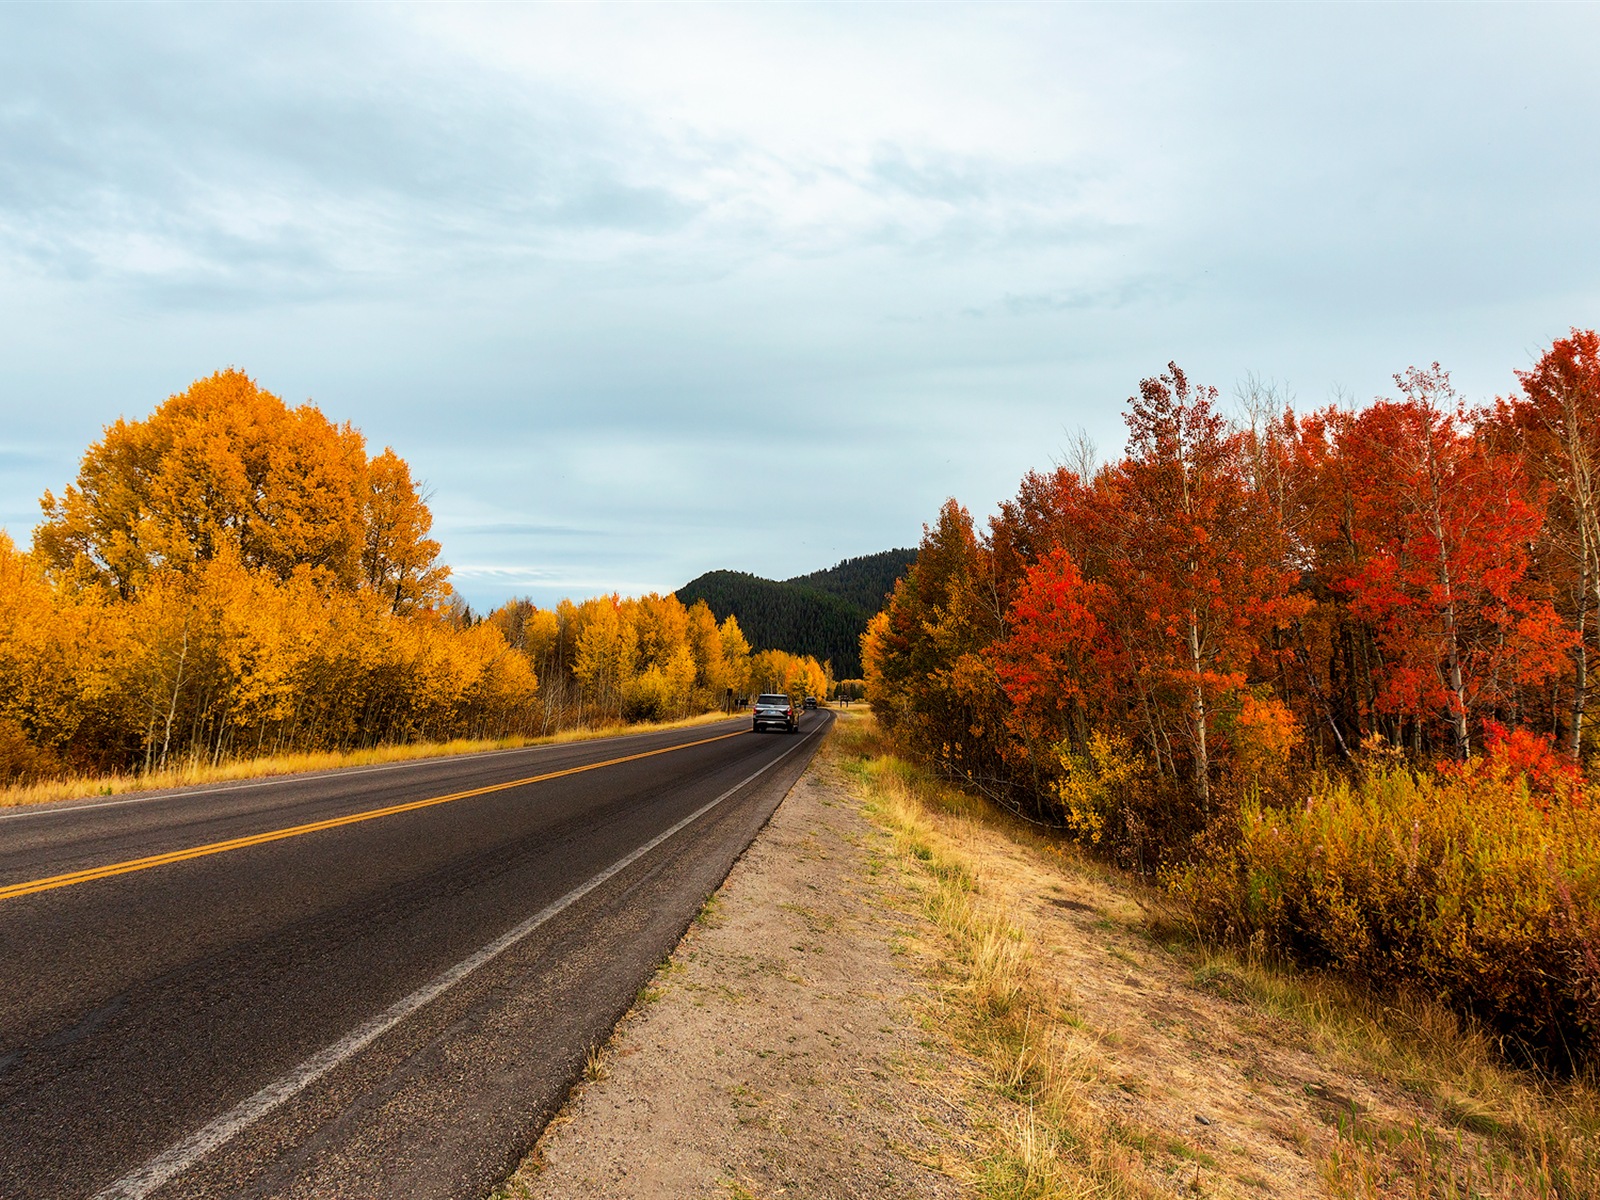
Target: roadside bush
x=1474, y=887
x=20, y=760
x=1111, y=800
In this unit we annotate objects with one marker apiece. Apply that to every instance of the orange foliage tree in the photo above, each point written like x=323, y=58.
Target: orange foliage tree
x=1557, y=421
x=244, y=567
x=227, y=466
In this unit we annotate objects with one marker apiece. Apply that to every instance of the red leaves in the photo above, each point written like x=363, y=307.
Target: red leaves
x=1044, y=662
x=1226, y=598
x=1439, y=522
x=1533, y=757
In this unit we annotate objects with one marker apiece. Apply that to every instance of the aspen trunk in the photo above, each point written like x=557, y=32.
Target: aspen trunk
x=177, y=684
x=1580, y=659
x=1202, y=767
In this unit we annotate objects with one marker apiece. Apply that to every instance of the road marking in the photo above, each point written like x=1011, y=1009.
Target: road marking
x=50, y=809
x=180, y=1157
x=88, y=874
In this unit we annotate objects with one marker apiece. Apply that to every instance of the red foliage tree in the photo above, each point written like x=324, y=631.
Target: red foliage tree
x=1440, y=526
x=1558, y=420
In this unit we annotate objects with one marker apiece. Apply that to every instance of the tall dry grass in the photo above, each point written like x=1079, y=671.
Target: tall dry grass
x=1003, y=1009
x=1519, y=1135
x=194, y=773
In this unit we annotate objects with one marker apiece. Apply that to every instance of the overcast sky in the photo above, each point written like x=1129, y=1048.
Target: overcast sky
x=642, y=291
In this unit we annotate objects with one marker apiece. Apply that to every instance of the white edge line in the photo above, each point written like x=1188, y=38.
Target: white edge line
x=48, y=809
x=184, y=1154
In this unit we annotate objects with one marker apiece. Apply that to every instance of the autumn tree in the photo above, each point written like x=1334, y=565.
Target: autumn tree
x=607, y=653
x=735, y=654
x=1198, y=566
x=1444, y=522
x=1047, y=660
x=398, y=558
x=927, y=671
x=226, y=464
x=1558, y=419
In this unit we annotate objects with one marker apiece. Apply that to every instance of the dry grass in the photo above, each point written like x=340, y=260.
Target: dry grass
x=191, y=774
x=1049, y=1142
x=1463, y=1124
x=1506, y=1133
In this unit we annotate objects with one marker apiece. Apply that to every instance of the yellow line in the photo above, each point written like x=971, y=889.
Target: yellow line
x=276, y=835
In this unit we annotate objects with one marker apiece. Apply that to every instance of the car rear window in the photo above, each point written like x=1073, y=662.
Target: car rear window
x=772, y=699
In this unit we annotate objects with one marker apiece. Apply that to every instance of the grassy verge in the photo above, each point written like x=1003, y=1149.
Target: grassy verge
x=998, y=1004
x=1456, y=1121
x=292, y=764
x=1491, y=1130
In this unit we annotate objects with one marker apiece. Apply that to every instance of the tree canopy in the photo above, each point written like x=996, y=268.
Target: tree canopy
x=226, y=469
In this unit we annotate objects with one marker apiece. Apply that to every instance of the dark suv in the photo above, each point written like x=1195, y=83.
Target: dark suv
x=774, y=709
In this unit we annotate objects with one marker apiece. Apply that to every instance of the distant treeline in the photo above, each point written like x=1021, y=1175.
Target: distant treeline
x=822, y=614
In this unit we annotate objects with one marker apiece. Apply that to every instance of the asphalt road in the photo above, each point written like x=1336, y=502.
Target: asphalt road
x=200, y=996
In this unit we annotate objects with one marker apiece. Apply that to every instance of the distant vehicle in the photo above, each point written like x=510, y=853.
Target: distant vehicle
x=811, y=702
x=773, y=709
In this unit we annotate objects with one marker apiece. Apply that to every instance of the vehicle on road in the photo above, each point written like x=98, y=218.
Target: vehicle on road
x=774, y=709
x=811, y=702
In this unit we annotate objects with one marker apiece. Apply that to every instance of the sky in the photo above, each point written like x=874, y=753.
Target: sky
x=642, y=291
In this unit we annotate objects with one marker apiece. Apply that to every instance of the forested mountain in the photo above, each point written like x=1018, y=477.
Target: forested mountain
x=822, y=614
x=864, y=582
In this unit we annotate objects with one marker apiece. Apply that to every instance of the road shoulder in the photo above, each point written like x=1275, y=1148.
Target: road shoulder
x=778, y=1051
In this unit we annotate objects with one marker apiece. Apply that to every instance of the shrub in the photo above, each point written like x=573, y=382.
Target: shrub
x=20, y=760
x=1471, y=886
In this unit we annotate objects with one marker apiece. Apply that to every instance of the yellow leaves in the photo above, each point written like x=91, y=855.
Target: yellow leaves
x=1091, y=786
x=397, y=556
x=232, y=576
x=225, y=466
x=225, y=659
x=608, y=652
x=794, y=674
x=735, y=655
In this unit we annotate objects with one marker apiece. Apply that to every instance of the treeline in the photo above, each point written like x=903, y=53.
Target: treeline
x=822, y=614
x=644, y=659
x=1232, y=652
x=232, y=577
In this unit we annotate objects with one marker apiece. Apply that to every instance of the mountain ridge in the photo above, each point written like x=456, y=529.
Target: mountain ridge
x=823, y=613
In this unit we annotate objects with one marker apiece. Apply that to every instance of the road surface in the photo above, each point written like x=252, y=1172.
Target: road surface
x=378, y=981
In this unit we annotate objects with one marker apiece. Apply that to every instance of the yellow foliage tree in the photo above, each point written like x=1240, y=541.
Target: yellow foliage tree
x=227, y=466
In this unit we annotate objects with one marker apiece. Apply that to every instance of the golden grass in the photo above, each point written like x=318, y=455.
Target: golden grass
x=1536, y=1137
x=1494, y=1132
x=191, y=774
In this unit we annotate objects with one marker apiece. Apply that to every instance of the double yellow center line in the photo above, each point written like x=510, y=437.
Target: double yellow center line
x=277, y=835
